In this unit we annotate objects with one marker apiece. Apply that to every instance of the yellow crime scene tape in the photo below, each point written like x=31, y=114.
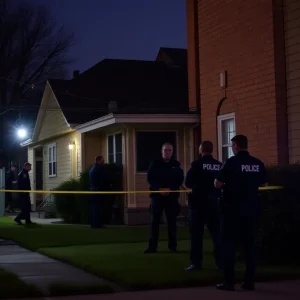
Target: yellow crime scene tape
x=116, y=192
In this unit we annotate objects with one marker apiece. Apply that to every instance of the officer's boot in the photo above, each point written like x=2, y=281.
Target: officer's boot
x=18, y=221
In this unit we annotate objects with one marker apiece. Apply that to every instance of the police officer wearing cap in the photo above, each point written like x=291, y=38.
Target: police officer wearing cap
x=203, y=205
x=164, y=174
x=240, y=179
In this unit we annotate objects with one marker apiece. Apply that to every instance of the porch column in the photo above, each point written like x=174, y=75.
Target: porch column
x=132, y=215
x=129, y=164
x=81, y=153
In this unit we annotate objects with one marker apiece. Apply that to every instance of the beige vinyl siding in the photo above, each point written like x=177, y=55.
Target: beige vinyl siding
x=53, y=121
x=94, y=145
x=63, y=161
x=78, y=153
x=292, y=44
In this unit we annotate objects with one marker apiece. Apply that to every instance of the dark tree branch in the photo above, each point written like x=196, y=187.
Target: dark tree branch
x=32, y=49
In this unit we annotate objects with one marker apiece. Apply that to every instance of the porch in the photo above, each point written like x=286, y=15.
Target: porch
x=134, y=141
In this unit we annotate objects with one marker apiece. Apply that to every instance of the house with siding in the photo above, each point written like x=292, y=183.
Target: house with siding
x=244, y=75
x=121, y=109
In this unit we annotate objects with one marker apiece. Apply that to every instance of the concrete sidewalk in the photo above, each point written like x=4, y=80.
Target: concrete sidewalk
x=42, y=271
x=35, y=218
x=289, y=290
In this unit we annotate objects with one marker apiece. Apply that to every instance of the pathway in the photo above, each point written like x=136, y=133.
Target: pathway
x=42, y=271
x=35, y=218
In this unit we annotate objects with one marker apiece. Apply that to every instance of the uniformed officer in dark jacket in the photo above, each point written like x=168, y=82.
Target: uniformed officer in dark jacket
x=164, y=174
x=98, y=179
x=11, y=179
x=240, y=178
x=203, y=205
x=24, y=184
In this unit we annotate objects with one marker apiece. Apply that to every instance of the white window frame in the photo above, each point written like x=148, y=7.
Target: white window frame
x=114, y=146
x=53, y=160
x=222, y=118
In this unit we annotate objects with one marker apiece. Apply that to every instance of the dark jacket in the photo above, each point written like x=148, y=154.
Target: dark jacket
x=163, y=174
x=10, y=177
x=24, y=182
x=200, y=178
x=98, y=178
x=242, y=175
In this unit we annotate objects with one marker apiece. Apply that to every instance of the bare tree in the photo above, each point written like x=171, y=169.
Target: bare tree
x=32, y=49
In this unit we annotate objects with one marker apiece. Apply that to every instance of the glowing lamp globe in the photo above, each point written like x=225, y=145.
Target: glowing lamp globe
x=22, y=133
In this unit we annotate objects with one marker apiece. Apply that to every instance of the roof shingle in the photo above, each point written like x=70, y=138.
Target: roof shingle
x=136, y=87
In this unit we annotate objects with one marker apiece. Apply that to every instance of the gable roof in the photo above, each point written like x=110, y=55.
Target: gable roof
x=140, y=87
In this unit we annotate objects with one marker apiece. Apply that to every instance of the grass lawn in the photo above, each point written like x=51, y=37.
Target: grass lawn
x=35, y=237
x=42, y=236
x=13, y=287
x=126, y=265
x=117, y=254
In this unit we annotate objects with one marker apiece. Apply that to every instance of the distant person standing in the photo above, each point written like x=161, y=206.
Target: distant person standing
x=11, y=179
x=98, y=181
x=240, y=178
x=165, y=175
x=203, y=205
x=24, y=184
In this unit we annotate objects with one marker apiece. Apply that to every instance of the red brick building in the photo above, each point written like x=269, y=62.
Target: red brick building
x=244, y=74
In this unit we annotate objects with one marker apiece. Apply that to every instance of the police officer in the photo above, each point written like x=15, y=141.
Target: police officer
x=98, y=179
x=203, y=205
x=11, y=179
x=240, y=178
x=24, y=184
x=164, y=174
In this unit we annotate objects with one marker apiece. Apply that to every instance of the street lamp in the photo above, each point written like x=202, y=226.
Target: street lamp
x=22, y=133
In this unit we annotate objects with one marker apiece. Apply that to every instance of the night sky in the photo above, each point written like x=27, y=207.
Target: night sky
x=128, y=29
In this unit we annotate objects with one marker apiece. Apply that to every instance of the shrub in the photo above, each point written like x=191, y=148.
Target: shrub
x=66, y=204
x=80, y=210
x=279, y=228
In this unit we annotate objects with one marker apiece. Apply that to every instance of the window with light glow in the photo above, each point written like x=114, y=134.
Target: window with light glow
x=226, y=131
x=52, y=163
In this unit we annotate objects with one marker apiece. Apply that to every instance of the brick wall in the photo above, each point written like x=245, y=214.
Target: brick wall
x=238, y=37
x=193, y=53
x=292, y=56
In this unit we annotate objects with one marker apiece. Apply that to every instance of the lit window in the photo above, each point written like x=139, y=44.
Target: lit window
x=115, y=154
x=226, y=131
x=52, y=164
